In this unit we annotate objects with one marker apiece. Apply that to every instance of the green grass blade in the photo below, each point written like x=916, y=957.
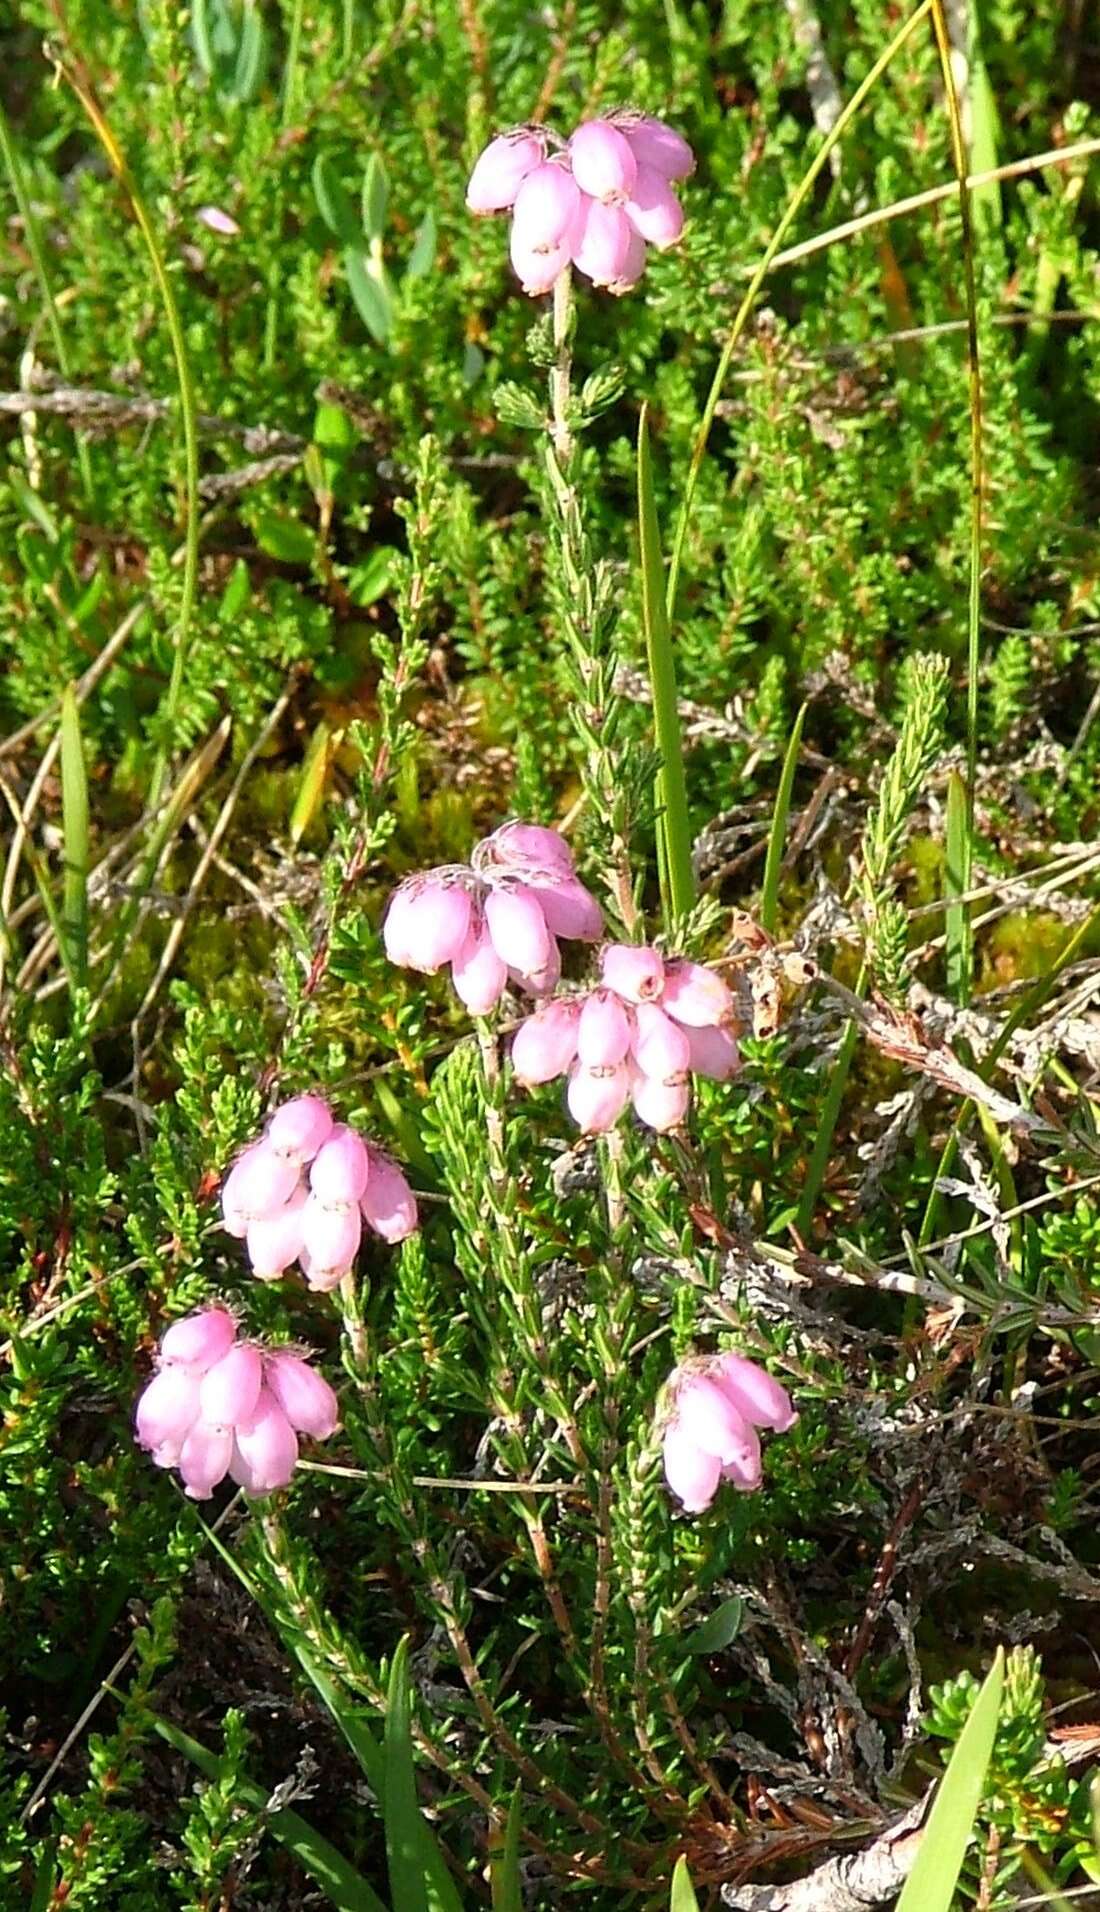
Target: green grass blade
x=773, y=868
x=984, y=128
x=42, y=1895
x=506, y=1884
x=959, y=943
x=74, y=819
x=404, y=1843
x=823, y=1140
x=673, y=824
x=346, y=1888
x=682, y=1897
x=930, y=1886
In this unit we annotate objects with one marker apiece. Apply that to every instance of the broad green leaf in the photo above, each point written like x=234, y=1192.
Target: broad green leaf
x=505, y=1882
x=673, y=825
x=422, y=257
x=930, y=1886
x=719, y=1628
x=372, y=300
x=235, y=596
x=403, y=1822
x=334, y=203
x=369, y=581
x=285, y=538
x=769, y=901
x=376, y=197
x=346, y=1888
x=682, y=1898
x=74, y=816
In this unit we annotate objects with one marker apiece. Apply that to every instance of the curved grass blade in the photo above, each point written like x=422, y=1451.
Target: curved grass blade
x=346, y=1888
x=74, y=819
x=403, y=1823
x=673, y=825
x=930, y=1886
x=682, y=1897
x=506, y=1885
x=773, y=868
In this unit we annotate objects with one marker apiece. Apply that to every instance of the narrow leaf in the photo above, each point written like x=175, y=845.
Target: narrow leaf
x=719, y=1628
x=248, y=69
x=346, y=1888
x=402, y=1807
x=769, y=901
x=422, y=257
x=376, y=197
x=930, y=1886
x=958, y=864
x=311, y=788
x=683, y=1897
x=74, y=814
x=506, y=1884
x=42, y=1896
x=673, y=824
x=333, y=203
x=371, y=299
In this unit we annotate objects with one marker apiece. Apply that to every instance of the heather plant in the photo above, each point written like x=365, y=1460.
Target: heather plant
x=548, y=951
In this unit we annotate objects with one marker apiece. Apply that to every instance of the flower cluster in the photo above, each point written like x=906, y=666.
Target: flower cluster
x=594, y=203
x=303, y=1191
x=637, y=1037
x=717, y=1405
x=495, y=919
x=219, y=1406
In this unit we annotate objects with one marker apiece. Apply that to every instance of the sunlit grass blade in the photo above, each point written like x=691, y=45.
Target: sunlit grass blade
x=507, y=1886
x=984, y=126
x=930, y=1886
x=673, y=824
x=74, y=818
x=682, y=1897
x=957, y=935
x=402, y=1807
x=346, y=1888
x=773, y=868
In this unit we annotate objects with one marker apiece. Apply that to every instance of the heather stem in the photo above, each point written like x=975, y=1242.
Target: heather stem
x=561, y=376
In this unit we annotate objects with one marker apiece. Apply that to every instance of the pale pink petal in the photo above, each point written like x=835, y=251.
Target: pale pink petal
x=605, y=1030
x=603, y=161
x=199, y=1339
x=517, y=926
x=388, y=1203
x=597, y=1097
x=229, y=1390
x=501, y=170
x=304, y=1395
x=546, y=1043
x=695, y=995
x=267, y=1446
x=204, y=1459
x=692, y=1474
x=661, y=1046
x=479, y=976
x=714, y=1052
x=753, y=1391
x=300, y=1127
x=340, y=1169
x=635, y=973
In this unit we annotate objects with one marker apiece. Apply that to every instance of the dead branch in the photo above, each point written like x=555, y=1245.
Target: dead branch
x=851, y=1883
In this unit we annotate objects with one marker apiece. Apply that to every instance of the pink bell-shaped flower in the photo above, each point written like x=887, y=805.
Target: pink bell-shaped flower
x=501, y=170
x=632, y=267
x=330, y=1237
x=167, y=1407
x=714, y=1052
x=546, y=1043
x=259, y=1181
x=754, y=1392
x=304, y=1395
x=692, y=1474
x=387, y=1203
x=426, y=923
x=602, y=248
x=319, y=1279
x=604, y=165
x=204, y=1458
x=605, y=1030
x=661, y=1105
x=300, y=1127
x=656, y=145
x=597, y=1097
x=199, y=1339
x=537, y=271
x=275, y=1241
x=694, y=994
x=229, y=1390
x=546, y=208
x=479, y=976
x=661, y=1046
x=635, y=973
x=570, y=911
x=517, y=926
x=340, y=1169
x=707, y=1416
x=265, y=1448
x=654, y=210
x=526, y=847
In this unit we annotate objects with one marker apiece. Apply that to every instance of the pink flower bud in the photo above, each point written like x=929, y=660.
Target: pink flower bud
x=546, y=1043
x=570, y=911
x=199, y=1339
x=695, y=995
x=501, y=170
x=605, y=1030
x=426, y=923
x=204, y=1459
x=478, y=974
x=602, y=249
x=661, y=1105
x=228, y=1391
x=304, y=1395
x=597, y=1097
x=654, y=210
x=387, y=1202
x=546, y=208
x=692, y=1474
x=167, y=1407
x=537, y=272
x=330, y=1238
x=518, y=929
x=300, y=1127
x=525, y=847
x=661, y=1047
x=340, y=1169
x=636, y=974
x=603, y=163
x=218, y=221
x=714, y=1052
x=276, y=1240
x=753, y=1391
x=265, y=1448
x=259, y=1182
x=707, y=1416
x=655, y=144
